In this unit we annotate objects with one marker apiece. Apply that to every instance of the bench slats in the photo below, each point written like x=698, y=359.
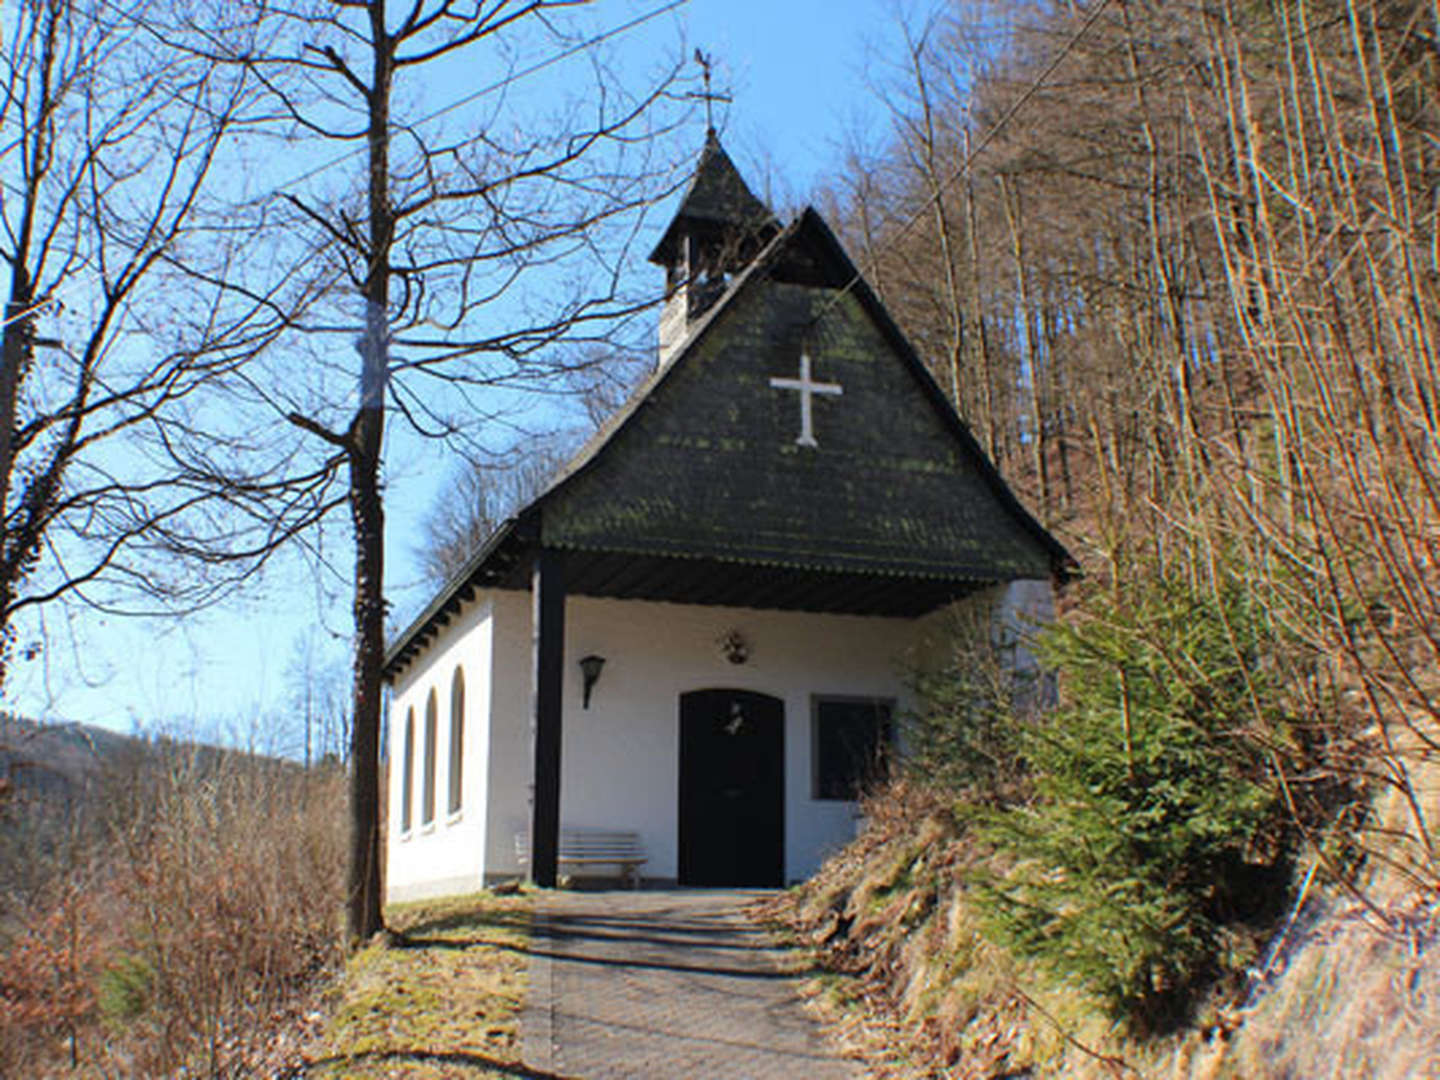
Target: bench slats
x=593, y=847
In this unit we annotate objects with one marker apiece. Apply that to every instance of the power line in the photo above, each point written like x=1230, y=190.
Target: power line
x=513, y=77
x=964, y=167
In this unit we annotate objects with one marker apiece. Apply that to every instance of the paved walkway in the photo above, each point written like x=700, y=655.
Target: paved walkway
x=646, y=985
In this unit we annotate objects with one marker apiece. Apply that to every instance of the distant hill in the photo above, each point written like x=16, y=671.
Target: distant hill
x=58, y=761
x=67, y=786
x=56, y=767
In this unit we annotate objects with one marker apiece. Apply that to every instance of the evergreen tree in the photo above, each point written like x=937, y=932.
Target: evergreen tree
x=1154, y=823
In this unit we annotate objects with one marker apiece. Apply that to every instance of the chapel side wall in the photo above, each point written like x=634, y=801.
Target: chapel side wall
x=1024, y=608
x=620, y=757
x=446, y=857
x=511, y=749
x=1011, y=612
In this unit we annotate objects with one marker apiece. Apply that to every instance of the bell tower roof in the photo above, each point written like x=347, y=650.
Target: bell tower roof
x=717, y=201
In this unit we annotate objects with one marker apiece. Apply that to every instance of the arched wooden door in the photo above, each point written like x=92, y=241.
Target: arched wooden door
x=732, y=789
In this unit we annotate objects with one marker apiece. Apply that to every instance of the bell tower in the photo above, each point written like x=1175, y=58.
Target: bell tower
x=720, y=227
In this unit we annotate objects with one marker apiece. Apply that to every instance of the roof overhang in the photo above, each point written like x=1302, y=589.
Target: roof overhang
x=507, y=559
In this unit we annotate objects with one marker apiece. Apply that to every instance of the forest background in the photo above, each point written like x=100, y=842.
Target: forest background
x=1178, y=266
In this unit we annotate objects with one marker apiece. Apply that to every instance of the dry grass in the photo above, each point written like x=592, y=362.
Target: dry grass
x=910, y=985
x=185, y=929
x=1352, y=1001
x=442, y=1000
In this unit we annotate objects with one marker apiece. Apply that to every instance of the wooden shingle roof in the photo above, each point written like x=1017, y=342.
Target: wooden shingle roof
x=717, y=199
x=703, y=461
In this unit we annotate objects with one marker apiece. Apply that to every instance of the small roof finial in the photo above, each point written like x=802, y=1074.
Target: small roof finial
x=709, y=96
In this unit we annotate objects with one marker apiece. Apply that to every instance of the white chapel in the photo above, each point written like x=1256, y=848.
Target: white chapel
x=697, y=642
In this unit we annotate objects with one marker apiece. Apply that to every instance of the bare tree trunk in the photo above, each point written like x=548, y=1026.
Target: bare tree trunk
x=928, y=161
x=363, y=915
x=1059, y=403
x=1027, y=315
x=18, y=351
x=15, y=356
x=981, y=335
x=367, y=509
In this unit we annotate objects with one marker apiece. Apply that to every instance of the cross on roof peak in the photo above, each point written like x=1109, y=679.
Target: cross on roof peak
x=709, y=96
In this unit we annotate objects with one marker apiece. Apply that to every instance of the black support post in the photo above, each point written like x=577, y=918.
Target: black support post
x=548, y=627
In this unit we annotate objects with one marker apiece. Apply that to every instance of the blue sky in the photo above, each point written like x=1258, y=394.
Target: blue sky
x=798, y=71
x=800, y=75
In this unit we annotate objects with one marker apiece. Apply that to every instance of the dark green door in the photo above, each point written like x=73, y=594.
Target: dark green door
x=732, y=789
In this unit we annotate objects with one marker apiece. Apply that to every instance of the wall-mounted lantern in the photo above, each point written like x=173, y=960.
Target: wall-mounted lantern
x=590, y=670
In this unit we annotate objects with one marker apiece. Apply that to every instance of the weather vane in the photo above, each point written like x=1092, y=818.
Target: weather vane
x=707, y=62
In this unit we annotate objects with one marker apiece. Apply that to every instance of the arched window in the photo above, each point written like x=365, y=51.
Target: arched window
x=457, y=738
x=427, y=789
x=407, y=775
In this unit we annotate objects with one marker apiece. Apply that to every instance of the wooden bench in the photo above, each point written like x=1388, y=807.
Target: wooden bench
x=581, y=847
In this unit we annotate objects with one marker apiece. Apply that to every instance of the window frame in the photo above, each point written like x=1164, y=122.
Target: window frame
x=454, y=803
x=885, y=740
x=427, y=781
x=407, y=775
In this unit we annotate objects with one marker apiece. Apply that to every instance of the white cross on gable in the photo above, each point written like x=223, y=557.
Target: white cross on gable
x=808, y=389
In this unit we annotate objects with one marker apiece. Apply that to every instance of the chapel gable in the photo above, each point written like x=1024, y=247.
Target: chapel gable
x=795, y=427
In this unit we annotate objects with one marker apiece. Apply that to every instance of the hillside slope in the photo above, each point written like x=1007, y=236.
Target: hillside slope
x=914, y=985
x=56, y=760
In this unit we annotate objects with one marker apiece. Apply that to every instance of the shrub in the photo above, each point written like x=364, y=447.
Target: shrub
x=963, y=738
x=125, y=987
x=49, y=951
x=177, y=945
x=234, y=873
x=1154, y=823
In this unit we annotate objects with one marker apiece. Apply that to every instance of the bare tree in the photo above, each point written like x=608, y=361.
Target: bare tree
x=110, y=143
x=486, y=490
x=1204, y=254
x=427, y=269
x=478, y=499
x=315, y=677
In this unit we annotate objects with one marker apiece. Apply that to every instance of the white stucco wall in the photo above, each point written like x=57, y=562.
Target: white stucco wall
x=446, y=856
x=620, y=757
x=512, y=748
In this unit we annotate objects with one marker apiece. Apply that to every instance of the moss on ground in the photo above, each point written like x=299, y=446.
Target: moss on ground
x=441, y=1000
